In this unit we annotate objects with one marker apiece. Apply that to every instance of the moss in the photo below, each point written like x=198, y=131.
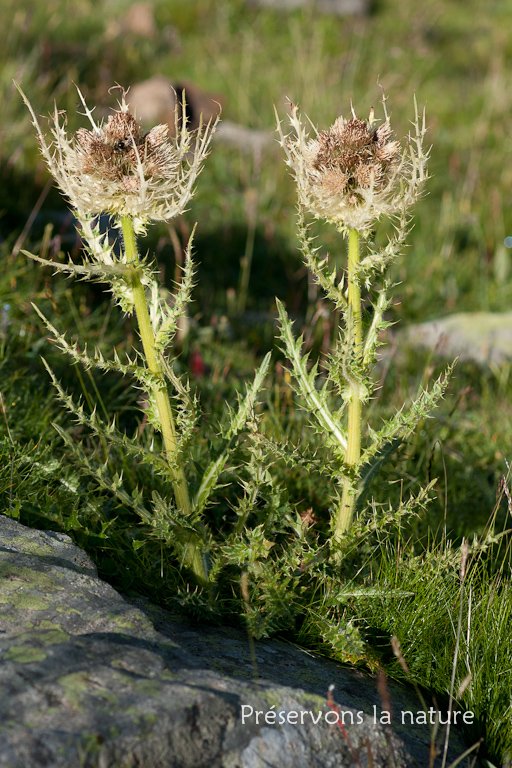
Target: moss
x=150, y=719
x=25, y=602
x=77, y=684
x=25, y=654
x=15, y=577
x=45, y=624
x=31, y=644
x=67, y=610
x=15, y=581
x=31, y=547
x=52, y=637
x=147, y=687
x=274, y=700
x=145, y=722
x=49, y=636
x=121, y=620
x=75, y=687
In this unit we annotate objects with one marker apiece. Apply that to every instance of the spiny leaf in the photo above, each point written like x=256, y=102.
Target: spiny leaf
x=164, y=317
x=111, y=434
x=378, y=260
x=378, y=324
x=292, y=455
x=372, y=469
x=96, y=359
x=316, y=401
x=104, y=271
x=104, y=478
x=403, y=423
x=326, y=279
x=237, y=423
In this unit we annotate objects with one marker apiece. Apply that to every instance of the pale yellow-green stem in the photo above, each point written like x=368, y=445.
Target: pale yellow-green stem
x=345, y=512
x=163, y=404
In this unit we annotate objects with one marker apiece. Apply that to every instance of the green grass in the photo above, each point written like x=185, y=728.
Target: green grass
x=456, y=262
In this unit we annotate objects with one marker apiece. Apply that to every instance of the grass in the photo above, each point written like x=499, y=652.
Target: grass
x=456, y=262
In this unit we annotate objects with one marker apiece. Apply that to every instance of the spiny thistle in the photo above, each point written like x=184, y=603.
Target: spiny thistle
x=355, y=172
x=351, y=176
x=115, y=168
x=135, y=178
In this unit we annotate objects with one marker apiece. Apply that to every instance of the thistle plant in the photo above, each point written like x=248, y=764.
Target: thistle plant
x=352, y=176
x=113, y=168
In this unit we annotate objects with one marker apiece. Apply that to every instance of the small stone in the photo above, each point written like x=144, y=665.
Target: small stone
x=138, y=20
x=243, y=138
x=481, y=337
x=153, y=102
x=336, y=7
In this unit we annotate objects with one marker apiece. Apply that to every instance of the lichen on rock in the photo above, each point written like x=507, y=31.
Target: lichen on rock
x=97, y=679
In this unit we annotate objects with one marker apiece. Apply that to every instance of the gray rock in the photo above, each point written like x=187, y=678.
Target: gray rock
x=483, y=337
x=243, y=138
x=154, y=101
x=336, y=7
x=138, y=20
x=88, y=678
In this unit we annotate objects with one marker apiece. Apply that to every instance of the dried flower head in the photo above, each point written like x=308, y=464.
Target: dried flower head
x=114, y=153
x=115, y=168
x=356, y=171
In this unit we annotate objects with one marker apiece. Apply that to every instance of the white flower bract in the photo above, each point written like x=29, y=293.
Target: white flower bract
x=115, y=169
x=355, y=172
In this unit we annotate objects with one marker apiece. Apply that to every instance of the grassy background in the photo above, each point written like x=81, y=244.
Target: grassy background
x=454, y=55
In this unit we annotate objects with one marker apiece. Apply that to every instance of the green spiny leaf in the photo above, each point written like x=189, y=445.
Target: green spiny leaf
x=237, y=424
x=316, y=401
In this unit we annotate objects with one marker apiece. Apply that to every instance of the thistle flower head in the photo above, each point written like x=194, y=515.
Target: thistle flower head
x=115, y=168
x=356, y=171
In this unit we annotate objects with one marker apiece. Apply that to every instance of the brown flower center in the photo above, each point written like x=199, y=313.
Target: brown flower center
x=357, y=153
x=117, y=150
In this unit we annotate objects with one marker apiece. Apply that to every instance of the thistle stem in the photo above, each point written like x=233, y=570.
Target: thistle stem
x=163, y=404
x=345, y=512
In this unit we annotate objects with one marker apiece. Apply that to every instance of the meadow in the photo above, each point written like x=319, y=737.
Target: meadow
x=268, y=521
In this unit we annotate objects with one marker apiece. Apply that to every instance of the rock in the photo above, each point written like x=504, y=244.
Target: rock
x=138, y=20
x=336, y=7
x=153, y=102
x=482, y=337
x=245, y=139
x=88, y=678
